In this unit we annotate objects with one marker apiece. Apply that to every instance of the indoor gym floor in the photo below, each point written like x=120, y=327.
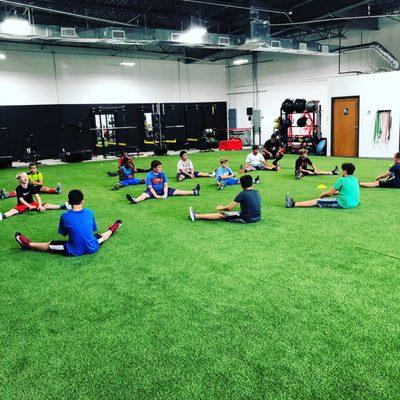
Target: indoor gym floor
x=302, y=305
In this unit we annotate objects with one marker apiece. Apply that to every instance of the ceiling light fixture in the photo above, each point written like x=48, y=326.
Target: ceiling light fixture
x=127, y=63
x=2, y=56
x=240, y=61
x=194, y=35
x=16, y=26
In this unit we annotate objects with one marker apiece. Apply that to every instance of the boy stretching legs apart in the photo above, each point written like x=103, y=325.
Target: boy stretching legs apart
x=345, y=188
x=157, y=186
x=250, y=206
x=225, y=176
x=255, y=162
x=393, y=175
x=78, y=224
x=303, y=162
x=185, y=169
x=29, y=199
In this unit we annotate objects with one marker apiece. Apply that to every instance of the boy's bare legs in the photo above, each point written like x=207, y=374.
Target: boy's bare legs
x=369, y=184
x=10, y=213
x=211, y=217
x=308, y=203
x=51, y=206
x=39, y=246
x=183, y=193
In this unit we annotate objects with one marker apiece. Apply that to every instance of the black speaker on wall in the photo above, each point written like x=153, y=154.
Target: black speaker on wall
x=249, y=111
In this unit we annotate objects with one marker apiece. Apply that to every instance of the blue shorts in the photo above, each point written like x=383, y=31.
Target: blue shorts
x=328, y=203
x=130, y=181
x=186, y=175
x=229, y=181
x=170, y=193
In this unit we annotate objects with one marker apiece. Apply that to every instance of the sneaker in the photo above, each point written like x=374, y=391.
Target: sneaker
x=298, y=175
x=67, y=206
x=3, y=194
x=117, y=186
x=1, y=217
x=257, y=180
x=335, y=170
x=192, y=214
x=289, y=202
x=196, y=190
x=221, y=185
x=131, y=199
x=59, y=188
x=212, y=175
x=112, y=173
x=277, y=167
x=115, y=226
x=22, y=240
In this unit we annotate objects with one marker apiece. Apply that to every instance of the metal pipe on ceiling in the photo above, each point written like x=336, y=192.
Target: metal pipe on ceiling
x=66, y=13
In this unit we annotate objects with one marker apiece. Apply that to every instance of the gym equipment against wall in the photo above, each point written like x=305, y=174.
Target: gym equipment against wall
x=31, y=152
x=299, y=105
x=311, y=106
x=5, y=147
x=288, y=106
x=76, y=131
x=302, y=121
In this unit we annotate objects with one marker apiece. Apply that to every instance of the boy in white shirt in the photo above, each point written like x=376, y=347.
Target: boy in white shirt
x=255, y=161
x=185, y=169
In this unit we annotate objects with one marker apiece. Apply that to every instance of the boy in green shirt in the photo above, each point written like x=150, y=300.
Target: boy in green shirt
x=346, y=191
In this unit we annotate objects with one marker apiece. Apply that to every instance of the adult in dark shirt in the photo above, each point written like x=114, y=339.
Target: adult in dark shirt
x=29, y=199
x=250, y=206
x=389, y=179
x=273, y=149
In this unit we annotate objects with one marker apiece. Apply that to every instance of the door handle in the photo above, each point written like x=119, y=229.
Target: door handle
x=356, y=127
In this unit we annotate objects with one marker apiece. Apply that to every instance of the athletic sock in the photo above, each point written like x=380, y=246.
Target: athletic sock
x=115, y=226
x=52, y=190
x=11, y=194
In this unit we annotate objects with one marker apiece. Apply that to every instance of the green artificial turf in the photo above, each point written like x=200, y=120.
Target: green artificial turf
x=303, y=305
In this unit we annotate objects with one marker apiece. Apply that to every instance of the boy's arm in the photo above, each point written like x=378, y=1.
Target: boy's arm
x=383, y=176
x=314, y=167
x=153, y=192
x=39, y=200
x=228, y=207
x=329, y=193
x=25, y=203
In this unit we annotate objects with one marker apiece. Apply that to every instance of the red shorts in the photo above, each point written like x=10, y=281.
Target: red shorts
x=22, y=207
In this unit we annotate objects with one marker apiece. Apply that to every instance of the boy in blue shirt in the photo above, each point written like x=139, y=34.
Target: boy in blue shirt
x=225, y=176
x=127, y=175
x=250, y=206
x=157, y=186
x=393, y=177
x=346, y=189
x=78, y=224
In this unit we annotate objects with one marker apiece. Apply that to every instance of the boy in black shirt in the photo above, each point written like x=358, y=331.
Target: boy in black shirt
x=29, y=199
x=250, y=206
x=393, y=176
x=303, y=162
x=273, y=149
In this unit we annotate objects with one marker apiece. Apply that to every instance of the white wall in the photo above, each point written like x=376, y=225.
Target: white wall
x=316, y=78
x=41, y=78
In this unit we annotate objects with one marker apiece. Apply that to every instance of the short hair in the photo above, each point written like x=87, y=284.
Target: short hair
x=397, y=155
x=349, y=168
x=246, y=181
x=223, y=159
x=255, y=147
x=75, y=197
x=182, y=153
x=303, y=151
x=155, y=164
x=32, y=164
x=273, y=136
x=19, y=175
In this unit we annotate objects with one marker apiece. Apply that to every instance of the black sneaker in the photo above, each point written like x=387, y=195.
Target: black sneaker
x=131, y=199
x=298, y=175
x=112, y=173
x=3, y=194
x=335, y=171
x=115, y=226
x=289, y=202
x=257, y=180
x=117, y=186
x=196, y=190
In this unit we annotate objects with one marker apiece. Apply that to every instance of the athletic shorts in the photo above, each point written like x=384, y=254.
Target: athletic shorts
x=390, y=184
x=130, y=181
x=235, y=216
x=171, y=192
x=256, y=168
x=21, y=208
x=306, y=171
x=328, y=203
x=59, y=246
x=186, y=175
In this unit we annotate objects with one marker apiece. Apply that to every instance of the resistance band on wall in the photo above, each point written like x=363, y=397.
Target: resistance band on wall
x=383, y=126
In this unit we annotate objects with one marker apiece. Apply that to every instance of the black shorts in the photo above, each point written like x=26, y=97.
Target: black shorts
x=390, y=184
x=58, y=246
x=235, y=216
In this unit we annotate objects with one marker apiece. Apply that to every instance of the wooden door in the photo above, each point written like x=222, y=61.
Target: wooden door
x=345, y=112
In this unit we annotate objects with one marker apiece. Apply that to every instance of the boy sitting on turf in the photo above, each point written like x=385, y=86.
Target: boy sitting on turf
x=393, y=175
x=78, y=224
x=255, y=161
x=303, y=162
x=26, y=193
x=157, y=186
x=225, y=176
x=35, y=178
x=250, y=206
x=127, y=175
x=125, y=155
x=185, y=169
x=345, y=188
x=273, y=149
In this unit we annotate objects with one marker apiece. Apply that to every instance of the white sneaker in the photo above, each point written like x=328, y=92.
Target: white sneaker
x=1, y=217
x=213, y=174
x=192, y=214
x=68, y=206
x=59, y=188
